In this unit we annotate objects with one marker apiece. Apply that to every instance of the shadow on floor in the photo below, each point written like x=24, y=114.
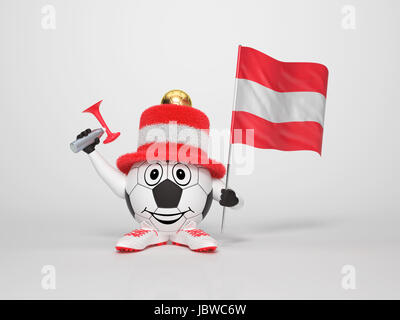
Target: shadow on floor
x=286, y=226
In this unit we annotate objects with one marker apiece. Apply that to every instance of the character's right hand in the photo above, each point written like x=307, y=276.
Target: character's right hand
x=90, y=148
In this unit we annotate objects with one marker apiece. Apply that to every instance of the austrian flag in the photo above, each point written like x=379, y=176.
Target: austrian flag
x=283, y=103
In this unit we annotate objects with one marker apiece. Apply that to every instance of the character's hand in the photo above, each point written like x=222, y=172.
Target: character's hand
x=228, y=198
x=90, y=148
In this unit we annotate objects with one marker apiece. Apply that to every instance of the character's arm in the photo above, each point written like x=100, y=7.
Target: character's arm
x=226, y=197
x=111, y=176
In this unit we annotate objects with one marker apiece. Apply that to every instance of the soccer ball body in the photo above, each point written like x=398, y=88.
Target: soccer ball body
x=168, y=194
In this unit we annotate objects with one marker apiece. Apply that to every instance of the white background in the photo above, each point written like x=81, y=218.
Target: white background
x=305, y=216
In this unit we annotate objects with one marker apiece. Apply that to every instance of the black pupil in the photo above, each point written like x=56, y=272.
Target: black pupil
x=154, y=174
x=180, y=174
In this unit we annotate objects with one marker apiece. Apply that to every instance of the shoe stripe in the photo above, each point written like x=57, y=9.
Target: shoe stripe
x=137, y=232
x=197, y=232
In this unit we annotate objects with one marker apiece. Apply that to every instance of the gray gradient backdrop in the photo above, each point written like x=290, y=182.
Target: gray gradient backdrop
x=305, y=216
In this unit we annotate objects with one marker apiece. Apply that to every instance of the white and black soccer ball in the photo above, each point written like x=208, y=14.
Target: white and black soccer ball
x=168, y=194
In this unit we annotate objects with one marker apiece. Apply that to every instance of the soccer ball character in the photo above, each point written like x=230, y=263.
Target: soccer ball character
x=169, y=182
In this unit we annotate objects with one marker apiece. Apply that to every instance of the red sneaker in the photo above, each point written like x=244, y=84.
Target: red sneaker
x=195, y=239
x=140, y=239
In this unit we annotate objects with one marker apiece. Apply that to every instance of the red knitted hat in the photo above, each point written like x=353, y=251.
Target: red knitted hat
x=175, y=133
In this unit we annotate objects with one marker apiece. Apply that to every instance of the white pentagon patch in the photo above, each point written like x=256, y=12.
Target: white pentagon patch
x=140, y=219
x=194, y=175
x=131, y=180
x=142, y=198
x=142, y=170
x=205, y=180
x=193, y=199
x=196, y=218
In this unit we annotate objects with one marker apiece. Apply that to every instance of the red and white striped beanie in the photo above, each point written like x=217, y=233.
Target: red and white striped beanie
x=174, y=133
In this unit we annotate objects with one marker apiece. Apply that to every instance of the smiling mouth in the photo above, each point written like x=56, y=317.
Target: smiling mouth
x=158, y=216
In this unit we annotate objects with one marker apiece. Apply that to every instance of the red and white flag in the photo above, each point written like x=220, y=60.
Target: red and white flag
x=283, y=102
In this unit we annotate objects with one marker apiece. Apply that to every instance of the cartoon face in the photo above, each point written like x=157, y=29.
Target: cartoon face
x=167, y=194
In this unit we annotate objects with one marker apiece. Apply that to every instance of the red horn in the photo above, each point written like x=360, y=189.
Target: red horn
x=95, y=110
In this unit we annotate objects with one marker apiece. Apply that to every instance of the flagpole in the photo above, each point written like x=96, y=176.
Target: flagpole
x=230, y=136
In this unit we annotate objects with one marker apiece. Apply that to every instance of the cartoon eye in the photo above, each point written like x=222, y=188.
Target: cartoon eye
x=153, y=174
x=181, y=174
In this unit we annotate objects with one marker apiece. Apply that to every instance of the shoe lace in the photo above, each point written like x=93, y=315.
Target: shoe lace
x=196, y=232
x=137, y=232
